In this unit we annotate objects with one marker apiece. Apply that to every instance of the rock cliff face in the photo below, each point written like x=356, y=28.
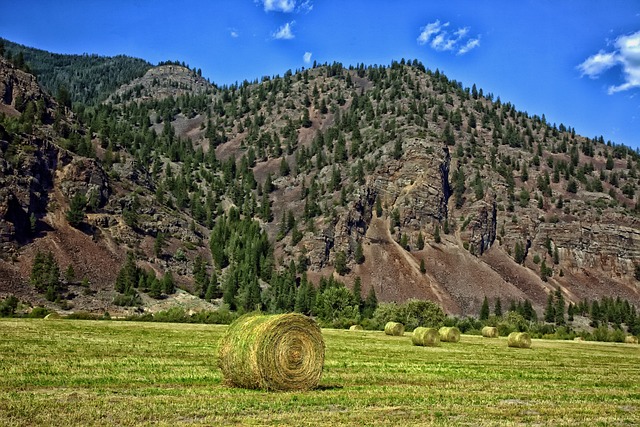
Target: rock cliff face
x=16, y=89
x=162, y=82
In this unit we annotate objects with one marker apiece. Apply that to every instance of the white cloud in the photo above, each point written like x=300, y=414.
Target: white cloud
x=437, y=36
x=626, y=55
x=307, y=57
x=471, y=44
x=305, y=6
x=430, y=29
x=234, y=33
x=284, y=32
x=285, y=6
x=596, y=64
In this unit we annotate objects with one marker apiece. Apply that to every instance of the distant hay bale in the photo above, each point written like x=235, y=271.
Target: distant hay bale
x=449, y=334
x=578, y=339
x=276, y=352
x=356, y=328
x=394, y=329
x=52, y=316
x=630, y=339
x=490, y=332
x=519, y=340
x=427, y=337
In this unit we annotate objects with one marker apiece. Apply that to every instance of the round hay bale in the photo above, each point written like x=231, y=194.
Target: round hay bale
x=630, y=339
x=449, y=334
x=52, y=316
x=519, y=340
x=356, y=328
x=276, y=352
x=578, y=339
x=427, y=337
x=394, y=329
x=490, y=332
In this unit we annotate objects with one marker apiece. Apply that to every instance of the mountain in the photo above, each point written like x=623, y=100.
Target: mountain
x=397, y=177
x=86, y=79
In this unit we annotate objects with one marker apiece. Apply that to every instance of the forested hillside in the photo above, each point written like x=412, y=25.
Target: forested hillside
x=274, y=194
x=83, y=79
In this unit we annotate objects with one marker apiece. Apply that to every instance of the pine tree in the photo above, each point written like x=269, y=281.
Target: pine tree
x=550, y=310
x=370, y=304
x=359, y=254
x=559, y=308
x=75, y=214
x=497, y=310
x=357, y=293
x=484, y=310
x=420, y=242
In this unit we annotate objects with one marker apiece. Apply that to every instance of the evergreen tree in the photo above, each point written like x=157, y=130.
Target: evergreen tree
x=370, y=303
x=559, y=308
x=420, y=241
x=76, y=212
x=550, y=310
x=340, y=263
x=497, y=310
x=484, y=310
x=357, y=292
x=359, y=254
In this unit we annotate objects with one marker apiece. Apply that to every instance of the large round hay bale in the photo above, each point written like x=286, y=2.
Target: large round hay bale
x=427, y=337
x=490, y=332
x=449, y=334
x=277, y=352
x=630, y=339
x=356, y=328
x=394, y=329
x=519, y=340
x=52, y=316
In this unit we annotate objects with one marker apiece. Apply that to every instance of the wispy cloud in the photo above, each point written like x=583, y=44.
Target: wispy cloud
x=284, y=32
x=625, y=55
x=436, y=34
x=234, y=33
x=285, y=6
x=307, y=57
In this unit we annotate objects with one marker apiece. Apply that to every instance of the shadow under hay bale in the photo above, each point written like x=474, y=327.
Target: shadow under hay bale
x=490, y=332
x=519, y=340
x=449, y=334
x=426, y=337
x=276, y=352
x=356, y=328
x=394, y=329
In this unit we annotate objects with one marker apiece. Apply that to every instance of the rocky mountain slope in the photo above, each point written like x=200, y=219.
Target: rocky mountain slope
x=396, y=175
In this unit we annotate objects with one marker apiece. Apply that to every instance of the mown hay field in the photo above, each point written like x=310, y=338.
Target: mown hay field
x=66, y=372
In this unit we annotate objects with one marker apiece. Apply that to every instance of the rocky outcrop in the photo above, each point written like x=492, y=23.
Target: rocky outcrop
x=162, y=82
x=17, y=88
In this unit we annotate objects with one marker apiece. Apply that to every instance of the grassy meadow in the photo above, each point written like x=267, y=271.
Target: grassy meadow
x=74, y=372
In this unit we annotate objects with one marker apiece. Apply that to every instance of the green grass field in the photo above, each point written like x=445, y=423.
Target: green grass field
x=65, y=372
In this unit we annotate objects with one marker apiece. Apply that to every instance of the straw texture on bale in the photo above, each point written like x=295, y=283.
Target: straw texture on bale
x=276, y=352
x=630, y=339
x=490, y=332
x=355, y=328
x=394, y=328
x=427, y=337
x=449, y=334
x=519, y=340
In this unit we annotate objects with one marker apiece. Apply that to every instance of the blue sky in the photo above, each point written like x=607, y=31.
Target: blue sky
x=577, y=62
